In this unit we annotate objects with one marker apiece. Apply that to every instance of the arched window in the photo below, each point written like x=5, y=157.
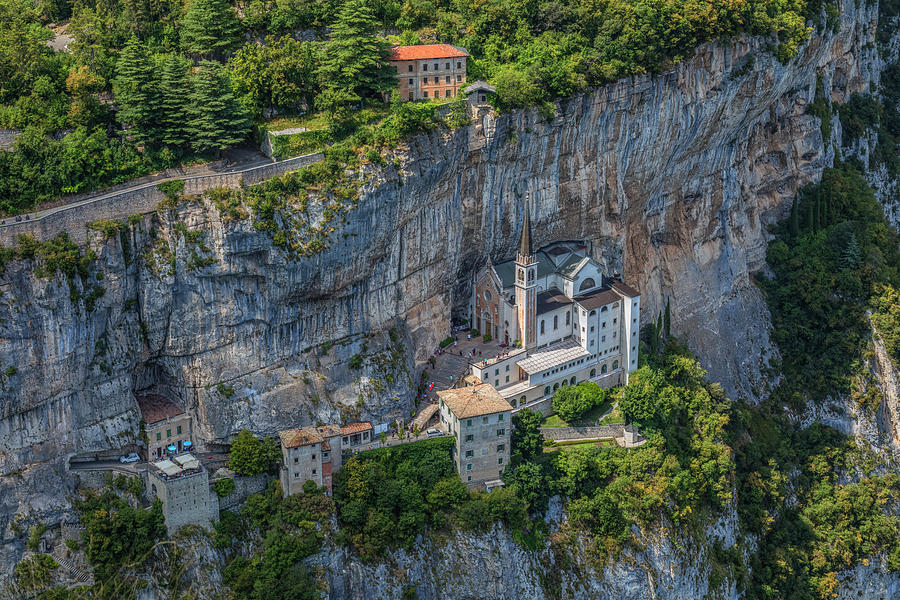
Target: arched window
x=487, y=295
x=593, y=372
x=547, y=391
x=568, y=318
x=603, y=369
x=522, y=401
x=555, y=322
x=555, y=386
x=542, y=327
x=604, y=309
x=531, y=275
x=615, y=305
x=572, y=381
x=563, y=383
x=587, y=284
x=615, y=365
x=593, y=312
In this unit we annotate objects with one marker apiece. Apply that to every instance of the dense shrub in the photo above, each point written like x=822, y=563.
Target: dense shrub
x=251, y=455
x=571, y=402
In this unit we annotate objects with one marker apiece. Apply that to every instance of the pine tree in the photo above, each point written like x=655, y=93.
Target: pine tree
x=355, y=63
x=667, y=319
x=173, y=101
x=210, y=28
x=136, y=93
x=216, y=120
x=852, y=255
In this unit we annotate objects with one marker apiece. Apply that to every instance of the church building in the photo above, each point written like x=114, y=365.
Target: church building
x=563, y=321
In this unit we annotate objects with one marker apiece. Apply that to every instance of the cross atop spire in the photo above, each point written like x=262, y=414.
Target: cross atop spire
x=525, y=241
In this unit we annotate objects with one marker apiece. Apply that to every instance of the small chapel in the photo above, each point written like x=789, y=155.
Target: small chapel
x=561, y=319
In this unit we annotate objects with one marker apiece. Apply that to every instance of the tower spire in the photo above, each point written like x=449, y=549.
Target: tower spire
x=525, y=242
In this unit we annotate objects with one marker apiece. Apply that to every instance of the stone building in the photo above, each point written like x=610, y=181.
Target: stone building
x=562, y=320
x=429, y=71
x=166, y=424
x=480, y=420
x=301, y=458
x=182, y=485
x=356, y=437
x=331, y=452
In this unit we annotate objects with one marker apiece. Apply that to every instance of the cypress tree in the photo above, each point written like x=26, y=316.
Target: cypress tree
x=355, y=62
x=667, y=319
x=210, y=28
x=216, y=119
x=136, y=93
x=173, y=101
x=795, y=219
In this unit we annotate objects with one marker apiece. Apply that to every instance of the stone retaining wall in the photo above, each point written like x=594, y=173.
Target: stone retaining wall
x=616, y=430
x=243, y=488
x=73, y=218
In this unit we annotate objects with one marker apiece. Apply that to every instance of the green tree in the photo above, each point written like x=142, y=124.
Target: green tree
x=216, y=119
x=278, y=74
x=137, y=93
x=527, y=439
x=251, y=455
x=173, y=101
x=355, y=62
x=852, y=255
x=210, y=29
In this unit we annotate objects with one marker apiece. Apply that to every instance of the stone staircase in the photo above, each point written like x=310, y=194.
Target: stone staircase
x=59, y=555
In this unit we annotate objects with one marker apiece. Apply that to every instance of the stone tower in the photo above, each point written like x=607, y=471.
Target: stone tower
x=526, y=291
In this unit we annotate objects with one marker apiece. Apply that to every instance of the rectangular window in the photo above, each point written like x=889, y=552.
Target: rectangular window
x=501, y=432
x=459, y=77
x=459, y=64
x=501, y=447
x=411, y=81
x=447, y=80
x=470, y=437
x=410, y=68
x=296, y=475
x=468, y=422
x=469, y=467
x=425, y=80
x=296, y=460
x=168, y=433
x=411, y=97
x=496, y=372
x=314, y=457
x=500, y=461
x=424, y=94
x=507, y=368
x=484, y=420
x=507, y=379
x=436, y=66
x=448, y=93
x=447, y=66
x=365, y=435
x=424, y=67
x=158, y=436
x=314, y=471
x=470, y=453
x=500, y=417
x=178, y=430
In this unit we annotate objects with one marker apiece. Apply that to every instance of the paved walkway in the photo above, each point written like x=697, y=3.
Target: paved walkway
x=237, y=160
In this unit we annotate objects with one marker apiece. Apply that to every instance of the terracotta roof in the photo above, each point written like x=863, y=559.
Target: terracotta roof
x=352, y=428
x=327, y=431
x=426, y=52
x=294, y=438
x=474, y=401
x=155, y=408
x=551, y=300
x=596, y=299
x=624, y=288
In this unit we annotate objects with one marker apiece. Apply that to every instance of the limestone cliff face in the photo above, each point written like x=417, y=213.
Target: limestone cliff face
x=673, y=178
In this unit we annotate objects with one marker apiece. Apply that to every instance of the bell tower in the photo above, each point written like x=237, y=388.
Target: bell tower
x=526, y=282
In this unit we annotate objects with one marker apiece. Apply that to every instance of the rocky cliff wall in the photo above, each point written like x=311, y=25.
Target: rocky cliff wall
x=673, y=178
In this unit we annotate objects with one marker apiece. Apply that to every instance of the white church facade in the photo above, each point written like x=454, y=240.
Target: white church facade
x=562, y=320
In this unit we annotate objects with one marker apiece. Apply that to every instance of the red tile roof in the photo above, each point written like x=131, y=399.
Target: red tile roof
x=355, y=428
x=426, y=52
x=155, y=408
x=294, y=438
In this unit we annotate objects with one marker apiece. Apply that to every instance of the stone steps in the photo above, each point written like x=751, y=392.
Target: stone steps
x=59, y=555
